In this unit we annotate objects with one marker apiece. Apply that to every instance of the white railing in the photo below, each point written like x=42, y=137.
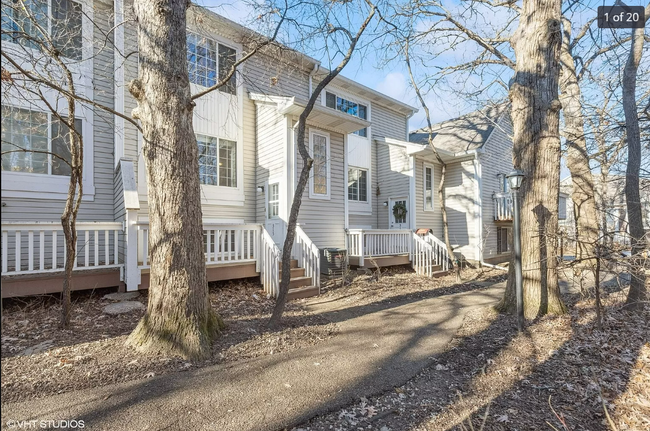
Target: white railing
x=378, y=242
x=39, y=247
x=439, y=248
x=223, y=243
x=422, y=256
x=307, y=255
x=270, y=264
x=502, y=206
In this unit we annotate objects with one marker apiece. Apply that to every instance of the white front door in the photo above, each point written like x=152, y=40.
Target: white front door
x=274, y=224
x=401, y=221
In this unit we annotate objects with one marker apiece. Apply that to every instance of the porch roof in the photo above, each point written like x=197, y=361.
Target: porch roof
x=323, y=116
x=423, y=150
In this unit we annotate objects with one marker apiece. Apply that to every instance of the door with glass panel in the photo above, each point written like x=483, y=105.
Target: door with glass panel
x=274, y=224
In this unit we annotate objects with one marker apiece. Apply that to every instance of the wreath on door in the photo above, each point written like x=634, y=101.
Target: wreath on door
x=399, y=211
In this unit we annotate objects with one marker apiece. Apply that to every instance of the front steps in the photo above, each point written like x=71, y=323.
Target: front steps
x=299, y=286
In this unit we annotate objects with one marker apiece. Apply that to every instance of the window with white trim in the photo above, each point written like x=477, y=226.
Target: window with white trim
x=357, y=184
x=428, y=188
x=562, y=208
x=208, y=61
x=23, y=19
x=273, y=200
x=503, y=240
x=217, y=161
x=319, y=146
x=34, y=142
x=349, y=107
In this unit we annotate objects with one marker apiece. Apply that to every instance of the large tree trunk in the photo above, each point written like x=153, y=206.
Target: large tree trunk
x=583, y=196
x=179, y=318
x=637, y=294
x=536, y=151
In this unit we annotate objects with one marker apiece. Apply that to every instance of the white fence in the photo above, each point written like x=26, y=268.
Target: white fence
x=308, y=256
x=440, y=256
x=502, y=206
x=270, y=264
x=39, y=247
x=378, y=242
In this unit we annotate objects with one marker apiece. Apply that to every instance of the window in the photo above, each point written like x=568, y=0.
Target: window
x=202, y=62
x=217, y=161
x=562, y=208
x=274, y=200
x=503, y=183
x=33, y=131
x=428, y=188
x=349, y=107
x=23, y=28
x=502, y=240
x=320, y=177
x=358, y=184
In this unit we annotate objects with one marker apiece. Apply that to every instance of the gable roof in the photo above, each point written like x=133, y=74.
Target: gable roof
x=465, y=133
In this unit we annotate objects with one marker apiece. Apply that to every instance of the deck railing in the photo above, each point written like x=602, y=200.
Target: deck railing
x=440, y=255
x=364, y=243
x=39, y=247
x=502, y=206
x=422, y=256
x=223, y=243
x=270, y=264
x=308, y=256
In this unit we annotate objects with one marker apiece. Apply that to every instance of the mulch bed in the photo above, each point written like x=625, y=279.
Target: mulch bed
x=556, y=375
x=92, y=352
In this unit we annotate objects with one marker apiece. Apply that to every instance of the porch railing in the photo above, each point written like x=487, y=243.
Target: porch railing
x=364, y=243
x=39, y=247
x=440, y=255
x=422, y=256
x=308, y=256
x=502, y=206
x=270, y=264
x=222, y=243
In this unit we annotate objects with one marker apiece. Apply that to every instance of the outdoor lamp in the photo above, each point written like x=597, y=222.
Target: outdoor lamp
x=260, y=189
x=515, y=179
x=385, y=203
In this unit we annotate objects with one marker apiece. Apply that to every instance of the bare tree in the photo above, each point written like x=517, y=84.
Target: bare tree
x=638, y=290
x=307, y=159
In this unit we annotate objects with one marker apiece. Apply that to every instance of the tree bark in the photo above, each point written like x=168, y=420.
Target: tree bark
x=577, y=158
x=638, y=290
x=536, y=151
x=179, y=318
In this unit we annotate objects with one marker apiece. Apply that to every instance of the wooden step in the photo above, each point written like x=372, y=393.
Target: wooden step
x=295, y=272
x=299, y=282
x=294, y=264
x=302, y=292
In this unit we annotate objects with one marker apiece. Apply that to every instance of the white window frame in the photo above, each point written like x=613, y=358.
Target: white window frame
x=426, y=166
x=268, y=201
x=347, y=187
x=217, y=42
x=347, y=96
x=312, y=194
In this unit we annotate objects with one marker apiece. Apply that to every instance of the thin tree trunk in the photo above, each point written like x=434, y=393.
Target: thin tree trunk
x=638, y=290
x=583, y=196
x=179, y=318
x=308, y=162
x=536, y=151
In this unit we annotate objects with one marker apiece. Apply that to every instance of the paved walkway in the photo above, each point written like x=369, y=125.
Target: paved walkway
x=380, y=349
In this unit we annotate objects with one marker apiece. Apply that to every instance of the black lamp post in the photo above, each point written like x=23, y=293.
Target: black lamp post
x=515, y=179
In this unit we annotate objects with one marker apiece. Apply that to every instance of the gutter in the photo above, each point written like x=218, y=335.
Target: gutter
x=311, y=75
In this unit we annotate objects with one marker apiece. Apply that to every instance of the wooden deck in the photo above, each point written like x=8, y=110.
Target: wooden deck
x=227, y=271
x=381, y=261
x=52, y=282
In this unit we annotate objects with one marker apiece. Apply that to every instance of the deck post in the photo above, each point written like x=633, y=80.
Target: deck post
x=361, y=250
x=131, y=205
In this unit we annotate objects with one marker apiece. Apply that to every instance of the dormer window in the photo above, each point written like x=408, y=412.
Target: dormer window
x=349, y=107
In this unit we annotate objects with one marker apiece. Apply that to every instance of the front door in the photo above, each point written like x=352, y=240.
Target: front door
x=274, y=224
x=399, y=219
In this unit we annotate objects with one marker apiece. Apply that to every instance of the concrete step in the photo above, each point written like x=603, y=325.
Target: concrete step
x=299, y=282
x=295, y=272
x=302, y=292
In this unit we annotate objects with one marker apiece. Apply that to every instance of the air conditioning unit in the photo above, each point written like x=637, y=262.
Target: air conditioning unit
x=333, y=261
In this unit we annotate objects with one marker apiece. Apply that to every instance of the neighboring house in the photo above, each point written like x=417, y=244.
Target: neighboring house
x=611, y=207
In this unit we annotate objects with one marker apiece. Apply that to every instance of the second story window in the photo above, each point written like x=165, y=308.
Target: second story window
x=23, y=22
x=217, y=161
x=352, y=108
x=209, y=61
x=428, y=188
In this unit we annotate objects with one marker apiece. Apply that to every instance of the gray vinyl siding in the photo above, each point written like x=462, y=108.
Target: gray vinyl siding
x=461, y=208
x=324, y=220
x=101, y=207
x=369, y=219
x=271, y=152
x=393, y=179
x=495, y=159
x=387, y=123
x=130, y=73
x=431, y=219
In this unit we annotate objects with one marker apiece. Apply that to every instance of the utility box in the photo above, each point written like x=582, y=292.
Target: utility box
x=333, y=261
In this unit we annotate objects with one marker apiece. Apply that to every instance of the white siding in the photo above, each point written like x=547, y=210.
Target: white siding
x=461, y=208
x=271, y=152
x=393, y=179
x=428, y=219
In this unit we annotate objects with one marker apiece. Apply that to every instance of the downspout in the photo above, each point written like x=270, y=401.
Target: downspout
x=118, y=76
x=345, y=182
x=479, y=205
x=311, y=75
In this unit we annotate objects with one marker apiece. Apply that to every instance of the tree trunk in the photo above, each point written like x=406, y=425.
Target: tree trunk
x=179, y=318
x=536, y=151
x=637, y=294
x=583, y=196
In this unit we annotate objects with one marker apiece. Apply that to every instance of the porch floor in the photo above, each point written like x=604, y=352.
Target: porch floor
x=218, y=272
x=52, y=282
x=381, y=261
